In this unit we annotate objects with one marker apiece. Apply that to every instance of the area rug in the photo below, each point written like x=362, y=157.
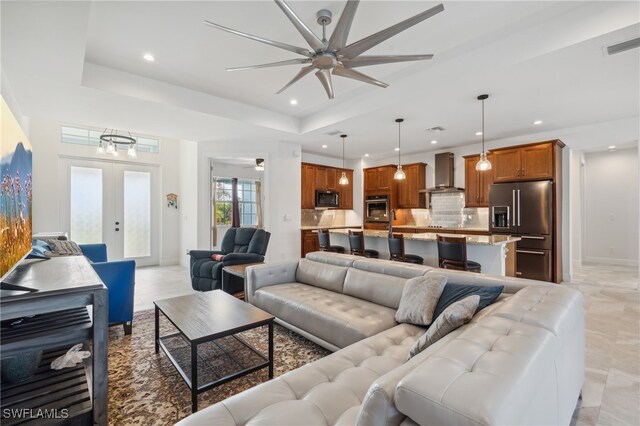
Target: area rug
x=145, y=388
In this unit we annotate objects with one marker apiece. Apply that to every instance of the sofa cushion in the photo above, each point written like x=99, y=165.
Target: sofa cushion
x=388, y=267
x=455, y=316
x=330, y=277
x=326, y=392
x=337, y=318
x=419, y=299
x=385, y=290
x=331, y=258
x=455, y=292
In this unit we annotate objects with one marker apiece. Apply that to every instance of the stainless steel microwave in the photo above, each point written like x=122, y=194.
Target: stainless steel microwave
x=327, y=199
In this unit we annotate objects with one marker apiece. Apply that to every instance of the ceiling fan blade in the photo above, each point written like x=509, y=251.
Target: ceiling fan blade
x=272, y=64
x=360, y=46
x=325, y=78
x=295, y=49
x=355, y=75
x=364, y=61
x=308, y=35
x=304, y=71
x=339, y=36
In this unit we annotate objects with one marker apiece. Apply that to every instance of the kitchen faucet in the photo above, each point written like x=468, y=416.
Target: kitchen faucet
x=392, y=217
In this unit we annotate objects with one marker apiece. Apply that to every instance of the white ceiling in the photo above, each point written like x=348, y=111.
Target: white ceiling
x=82, y=62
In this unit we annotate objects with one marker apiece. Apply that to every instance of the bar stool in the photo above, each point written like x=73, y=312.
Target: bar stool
x=452, y=254
x=356, y=243
x=325, y=242
x=396, y=251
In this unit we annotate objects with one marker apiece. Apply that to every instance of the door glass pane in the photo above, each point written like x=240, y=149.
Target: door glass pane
x=86, y=205
x=137, y=214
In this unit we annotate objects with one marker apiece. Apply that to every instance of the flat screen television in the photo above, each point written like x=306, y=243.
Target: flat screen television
x=15, y=205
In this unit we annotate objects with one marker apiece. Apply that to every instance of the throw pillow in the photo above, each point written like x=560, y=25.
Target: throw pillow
x=217, y=257
x=453, y=317
x=454, y=292
x=64, y=248
x=419, y=299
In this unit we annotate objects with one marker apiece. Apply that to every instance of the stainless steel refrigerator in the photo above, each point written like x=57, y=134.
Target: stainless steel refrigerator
x=524, y=209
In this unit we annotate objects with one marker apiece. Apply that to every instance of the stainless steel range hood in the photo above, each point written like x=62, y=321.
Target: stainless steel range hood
x=444, y=175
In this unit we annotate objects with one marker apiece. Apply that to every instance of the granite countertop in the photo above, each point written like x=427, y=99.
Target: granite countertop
x=443, y=229
x=486, y=240
x=315, y=227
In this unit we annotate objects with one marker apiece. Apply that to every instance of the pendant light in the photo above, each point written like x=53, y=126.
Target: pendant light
x=399, y=175
x=483, y=164
x=344, y=180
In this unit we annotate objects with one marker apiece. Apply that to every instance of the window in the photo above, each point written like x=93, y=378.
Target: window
x=246, y=201
x=91, y=137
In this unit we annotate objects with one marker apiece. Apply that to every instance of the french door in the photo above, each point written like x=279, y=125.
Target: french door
x=115, y=203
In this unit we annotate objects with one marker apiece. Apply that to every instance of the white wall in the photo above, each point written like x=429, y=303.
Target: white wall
x=188, y=199
x=611, y=207
x=281, y=189
x=47, y=150
x=576, y=163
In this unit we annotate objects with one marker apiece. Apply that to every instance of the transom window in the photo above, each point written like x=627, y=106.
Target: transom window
x=246, y=201
x=91, y=137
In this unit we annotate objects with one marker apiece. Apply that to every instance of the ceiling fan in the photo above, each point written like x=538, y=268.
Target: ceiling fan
x=334, y=56
x=259, y=165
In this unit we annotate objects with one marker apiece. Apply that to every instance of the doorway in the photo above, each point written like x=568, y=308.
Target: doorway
x=115, y=203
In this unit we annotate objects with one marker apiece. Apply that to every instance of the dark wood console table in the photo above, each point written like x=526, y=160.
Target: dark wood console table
x=70, y=307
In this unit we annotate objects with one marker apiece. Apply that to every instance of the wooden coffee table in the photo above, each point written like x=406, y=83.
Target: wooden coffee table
x=211, y=320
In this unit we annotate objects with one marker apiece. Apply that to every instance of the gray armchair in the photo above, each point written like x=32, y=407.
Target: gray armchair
x=239, y=246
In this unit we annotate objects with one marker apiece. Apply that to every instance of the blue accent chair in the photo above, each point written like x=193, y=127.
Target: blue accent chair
x=119, y=277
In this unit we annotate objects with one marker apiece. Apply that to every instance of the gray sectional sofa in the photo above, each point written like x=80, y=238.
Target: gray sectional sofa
x=519, y=361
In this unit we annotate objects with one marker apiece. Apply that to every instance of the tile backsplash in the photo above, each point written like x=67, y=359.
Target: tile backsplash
x=312, y=217
x=448, y=210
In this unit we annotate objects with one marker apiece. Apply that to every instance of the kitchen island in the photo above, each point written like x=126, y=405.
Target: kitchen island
x=493, y=252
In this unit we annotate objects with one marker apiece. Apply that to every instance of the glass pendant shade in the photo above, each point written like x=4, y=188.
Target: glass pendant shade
x=343, y=179
x=131, y=152
x=100, y=148
x=110, y=148
x=483, y=164
x=399, y=174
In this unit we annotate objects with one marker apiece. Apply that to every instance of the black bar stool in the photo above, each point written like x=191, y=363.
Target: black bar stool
x=356, y=243
x=452, y=254
x=396, y=251
x=325, y=242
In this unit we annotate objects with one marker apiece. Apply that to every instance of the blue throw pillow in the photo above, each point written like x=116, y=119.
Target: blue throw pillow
x=38, y=249
x=454, y=292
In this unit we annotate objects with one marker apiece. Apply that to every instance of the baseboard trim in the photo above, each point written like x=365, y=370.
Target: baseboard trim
x=612, y=261
x=169, y=262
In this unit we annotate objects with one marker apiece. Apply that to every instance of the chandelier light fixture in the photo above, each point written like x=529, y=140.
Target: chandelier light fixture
x=344, y=180
x=110, y=140
x=483, y=164
x=399, y=175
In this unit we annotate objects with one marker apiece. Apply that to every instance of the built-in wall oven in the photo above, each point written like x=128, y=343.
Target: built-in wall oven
x=377, y=208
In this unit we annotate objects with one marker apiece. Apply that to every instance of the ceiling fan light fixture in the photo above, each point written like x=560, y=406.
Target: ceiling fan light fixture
x=260, y=164
x=483, y=164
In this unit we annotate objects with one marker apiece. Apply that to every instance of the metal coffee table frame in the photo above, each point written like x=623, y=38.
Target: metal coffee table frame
x=193, y=379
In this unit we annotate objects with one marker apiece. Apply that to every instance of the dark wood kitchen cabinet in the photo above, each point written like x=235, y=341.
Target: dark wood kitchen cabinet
x=476, y=183
x=308, y=186
x=525, y=162
x=409, y=195
x=324, y=178
x=309, y=242
x=379, y=179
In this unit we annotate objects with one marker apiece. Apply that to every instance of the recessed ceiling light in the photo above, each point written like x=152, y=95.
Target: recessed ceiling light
x=293, y=102
x=478, y=133
x=612, y=147
x=397, y=149
x=149, y=57
x=433, y=142
x=537, y=122
x=366, y=155
x=324, y=146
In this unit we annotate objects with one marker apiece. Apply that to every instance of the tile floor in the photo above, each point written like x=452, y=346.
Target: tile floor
x=611, y=390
